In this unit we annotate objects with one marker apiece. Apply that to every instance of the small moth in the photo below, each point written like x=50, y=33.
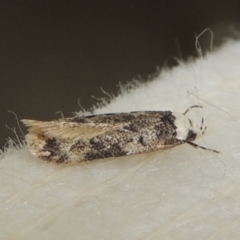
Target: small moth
x=79, y=139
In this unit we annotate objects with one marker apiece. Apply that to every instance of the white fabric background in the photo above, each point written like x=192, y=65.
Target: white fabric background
x=181, y=193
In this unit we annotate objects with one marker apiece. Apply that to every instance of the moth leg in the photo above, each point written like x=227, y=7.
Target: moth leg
x=199, y=146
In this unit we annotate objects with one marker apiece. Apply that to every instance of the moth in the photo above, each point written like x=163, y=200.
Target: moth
x=87, y=138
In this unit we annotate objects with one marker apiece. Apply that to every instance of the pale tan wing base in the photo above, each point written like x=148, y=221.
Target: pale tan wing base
x=65, y=130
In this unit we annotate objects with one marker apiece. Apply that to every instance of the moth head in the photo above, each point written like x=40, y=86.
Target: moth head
x=194, y=131
x=187, y=129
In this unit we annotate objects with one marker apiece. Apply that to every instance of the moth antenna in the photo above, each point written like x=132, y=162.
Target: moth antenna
x=204, y=130
x=202, y=127
x=199, y=146
x=194, y=106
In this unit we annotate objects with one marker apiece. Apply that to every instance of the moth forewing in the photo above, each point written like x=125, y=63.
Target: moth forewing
x=109, y=135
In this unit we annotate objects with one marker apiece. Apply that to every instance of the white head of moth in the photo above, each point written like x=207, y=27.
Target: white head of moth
x=79, y=139
x=188, y=131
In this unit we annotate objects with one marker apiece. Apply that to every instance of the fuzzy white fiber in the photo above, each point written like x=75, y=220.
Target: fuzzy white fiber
x=180, y=193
